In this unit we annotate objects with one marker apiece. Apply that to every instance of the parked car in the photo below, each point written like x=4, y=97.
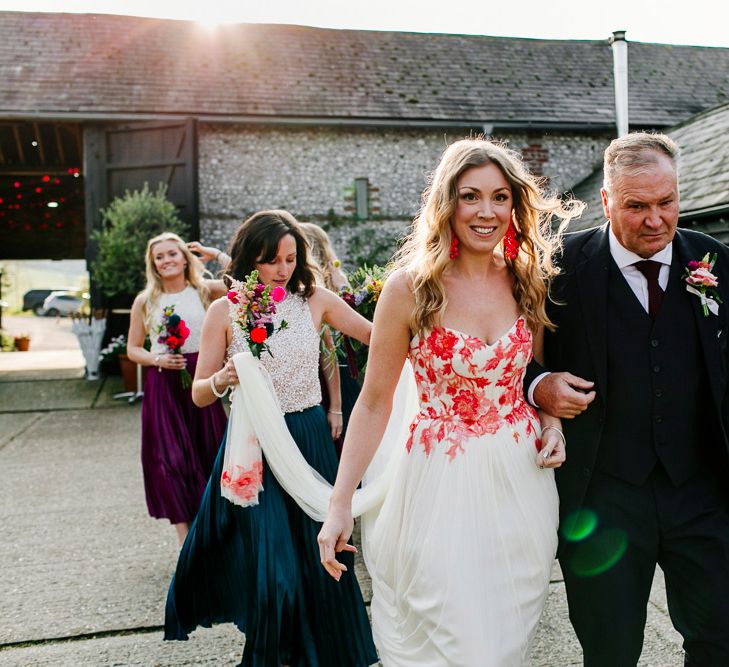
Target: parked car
x=33, y=299
x=61, y=303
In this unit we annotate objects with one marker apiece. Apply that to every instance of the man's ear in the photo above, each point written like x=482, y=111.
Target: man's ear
x=605, y=203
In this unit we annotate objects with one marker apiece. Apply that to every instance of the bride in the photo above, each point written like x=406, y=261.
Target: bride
x=461, y=552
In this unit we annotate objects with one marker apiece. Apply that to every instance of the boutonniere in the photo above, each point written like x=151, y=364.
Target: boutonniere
x=702, y=282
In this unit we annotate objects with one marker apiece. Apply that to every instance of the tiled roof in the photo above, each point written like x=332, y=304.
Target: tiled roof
x=704, y=174
x=101, y=64
x=704, y=168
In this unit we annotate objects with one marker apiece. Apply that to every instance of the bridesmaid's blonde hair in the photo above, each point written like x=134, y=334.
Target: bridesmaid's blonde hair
x=425, y=253
x=153, y=289
x=321, y=252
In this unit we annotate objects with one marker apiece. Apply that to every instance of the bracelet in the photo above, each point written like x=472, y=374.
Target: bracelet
x=215, y=389
x=334, y=412
x=218, y=255
x=156, y=363
x=554, y=428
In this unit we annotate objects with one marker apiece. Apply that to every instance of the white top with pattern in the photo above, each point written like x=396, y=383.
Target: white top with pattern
x=294, y=360
x=189, y=307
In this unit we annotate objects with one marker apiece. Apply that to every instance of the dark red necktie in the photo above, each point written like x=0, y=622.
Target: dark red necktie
x=650, y=269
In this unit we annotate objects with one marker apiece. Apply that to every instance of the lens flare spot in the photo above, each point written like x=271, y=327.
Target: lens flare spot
x=577, y=526
x=598, y=554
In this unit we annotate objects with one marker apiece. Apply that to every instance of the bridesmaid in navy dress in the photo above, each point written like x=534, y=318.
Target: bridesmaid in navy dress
x=179, y=440
x=257, y=566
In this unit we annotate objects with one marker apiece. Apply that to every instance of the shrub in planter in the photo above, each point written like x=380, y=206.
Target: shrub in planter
x=127, y=224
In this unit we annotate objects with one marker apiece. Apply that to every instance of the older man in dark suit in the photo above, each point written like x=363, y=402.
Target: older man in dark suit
x=644, y=379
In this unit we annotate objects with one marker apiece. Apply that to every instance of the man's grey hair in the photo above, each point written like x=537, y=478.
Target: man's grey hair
x=633, y=152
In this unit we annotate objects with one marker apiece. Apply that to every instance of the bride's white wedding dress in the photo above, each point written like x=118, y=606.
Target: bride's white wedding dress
x=462, y=549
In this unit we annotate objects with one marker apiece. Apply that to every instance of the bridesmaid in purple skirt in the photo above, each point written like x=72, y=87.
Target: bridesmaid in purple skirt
x=179, y=440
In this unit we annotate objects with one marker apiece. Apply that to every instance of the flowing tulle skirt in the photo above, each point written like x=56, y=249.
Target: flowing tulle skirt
x=258, y=567
x=179, y=444
x=462, y=551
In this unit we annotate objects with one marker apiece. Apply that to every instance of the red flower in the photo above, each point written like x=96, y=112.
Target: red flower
x=173, y=342
x=259, y=334
x=183, y=331
x=466, y=406
x=233, y=296
x=442, y=342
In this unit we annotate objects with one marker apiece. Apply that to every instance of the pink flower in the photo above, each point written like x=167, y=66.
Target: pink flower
x=233, y=296
x=246, y=483
x=693, y=265
x=278, y=294
x=702, y=276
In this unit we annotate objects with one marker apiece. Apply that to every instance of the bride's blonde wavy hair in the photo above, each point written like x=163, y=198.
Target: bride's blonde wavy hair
x=426, y=252
x=194, y=275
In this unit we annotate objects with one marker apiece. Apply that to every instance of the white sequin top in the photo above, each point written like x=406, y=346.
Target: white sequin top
x=294, y=366
x=189, y=307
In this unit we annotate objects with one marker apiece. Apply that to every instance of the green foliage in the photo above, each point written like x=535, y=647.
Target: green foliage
x=368, y=248
x=127, y=224
x=7, y=342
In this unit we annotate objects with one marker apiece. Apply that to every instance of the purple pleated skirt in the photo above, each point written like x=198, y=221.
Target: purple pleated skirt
x=179, y=444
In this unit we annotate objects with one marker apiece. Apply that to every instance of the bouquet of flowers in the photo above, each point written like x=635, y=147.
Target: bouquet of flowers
x=365, y=286
x=252, y=307
x=173, y=333
x=703, y=283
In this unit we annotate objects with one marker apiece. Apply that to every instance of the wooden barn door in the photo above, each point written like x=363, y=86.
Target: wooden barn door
x=125, y=156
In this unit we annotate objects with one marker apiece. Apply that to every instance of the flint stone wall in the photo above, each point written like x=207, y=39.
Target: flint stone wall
x=311, y=172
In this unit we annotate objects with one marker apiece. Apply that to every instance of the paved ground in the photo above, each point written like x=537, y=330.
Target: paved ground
x=54, y=350
x=84, y=570
x=46, y=333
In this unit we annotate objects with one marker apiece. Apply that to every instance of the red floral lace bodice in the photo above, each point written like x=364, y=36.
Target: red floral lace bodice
x=468, y=388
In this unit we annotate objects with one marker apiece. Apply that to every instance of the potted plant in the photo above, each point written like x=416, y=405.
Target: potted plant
x=116, y=350
x=22, y=342
x=127, y=224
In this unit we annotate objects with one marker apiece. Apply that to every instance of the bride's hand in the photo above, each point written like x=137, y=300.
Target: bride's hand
x=553, y=452
x=332, y=539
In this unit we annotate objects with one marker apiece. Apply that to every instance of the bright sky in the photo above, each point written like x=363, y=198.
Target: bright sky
x=696, y=22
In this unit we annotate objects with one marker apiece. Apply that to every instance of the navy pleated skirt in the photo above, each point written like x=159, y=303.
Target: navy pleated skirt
x=179, y=444
x=258, y=567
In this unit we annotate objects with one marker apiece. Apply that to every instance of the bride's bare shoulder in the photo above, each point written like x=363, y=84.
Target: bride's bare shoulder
x=399, y=283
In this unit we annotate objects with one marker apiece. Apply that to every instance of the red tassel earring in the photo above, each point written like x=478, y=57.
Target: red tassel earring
x=511, y=245
x=454, y=245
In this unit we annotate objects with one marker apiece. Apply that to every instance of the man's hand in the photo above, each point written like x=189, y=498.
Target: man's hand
x=563, y=394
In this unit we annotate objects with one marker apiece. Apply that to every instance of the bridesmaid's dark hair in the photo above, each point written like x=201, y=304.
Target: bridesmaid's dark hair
x=256, y=242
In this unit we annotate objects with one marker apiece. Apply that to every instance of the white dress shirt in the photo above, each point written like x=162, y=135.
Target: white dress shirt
x=625, y=259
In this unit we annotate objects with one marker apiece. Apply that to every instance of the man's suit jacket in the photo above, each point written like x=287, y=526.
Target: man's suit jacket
x=579, y=344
